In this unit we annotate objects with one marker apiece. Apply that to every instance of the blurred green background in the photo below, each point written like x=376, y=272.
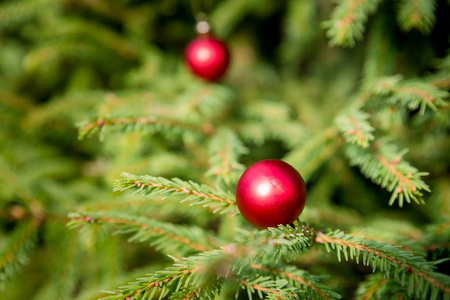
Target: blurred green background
x=65, y=62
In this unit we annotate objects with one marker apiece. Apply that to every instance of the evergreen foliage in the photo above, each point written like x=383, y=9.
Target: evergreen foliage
x=139, y=204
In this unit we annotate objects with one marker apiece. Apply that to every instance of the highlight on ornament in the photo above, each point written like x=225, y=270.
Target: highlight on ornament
x=271, y=192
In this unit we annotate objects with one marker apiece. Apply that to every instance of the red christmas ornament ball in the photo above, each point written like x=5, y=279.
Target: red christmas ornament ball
x=271, y=192
x=207, y=57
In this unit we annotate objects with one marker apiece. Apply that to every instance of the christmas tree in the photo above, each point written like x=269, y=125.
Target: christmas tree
x=122, y=153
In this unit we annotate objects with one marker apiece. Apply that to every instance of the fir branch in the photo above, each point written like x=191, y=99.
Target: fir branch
x=16, y=252
x=290, y=132
x=190, y=295
x=187, y=272
x=66, y=270
x=416, y=14
x=355, y=127
x=438, y=237
x=186, y=277
x=127, y=124
x=307, y=283
x=330, y=214
x=271, y=120
x=60, y=109
x=381, y=52
x=210, y=100
x=194, y=193
x=109, y=9
x=393, y=290
x=393, y=232
x=314, y=152
x=225, y=149
x=11, y=175
x=348, y=21
x=144, y=206
x=441, y=228
x=96, y=33
x=62, y=50
x=436, y=246
x=228, y=14
x=413, y=271
x=14, y=13
x=16, y=101
x=204, y=292
x=368, y=288
x=271, y=244
x=412, y=94
x=99, y=291
x=384, y=165
x=273, y=288
x=440, y=81
x=299, y=31
x=268, y=110
x=165, y=236
x=221, y=263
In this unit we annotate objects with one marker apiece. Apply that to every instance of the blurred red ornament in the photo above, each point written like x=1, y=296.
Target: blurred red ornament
x=207, y=57
x=271, y=192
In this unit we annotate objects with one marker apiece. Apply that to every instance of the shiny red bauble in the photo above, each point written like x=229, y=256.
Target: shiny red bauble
x=271, y=192
x=207, y=57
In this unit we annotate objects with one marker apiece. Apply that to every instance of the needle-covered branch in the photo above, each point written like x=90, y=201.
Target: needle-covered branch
x=193, y=193
x=271, y=120
x=291, y=132
x=373, y=284
x=348, y=20
x=274, y=289
x=166, y=237
x=128, y=124
x=412, y=94
x=412, y=271
x=17, y=12
x=59, y=50
x=272, y=244
x=137, y=204
x=187, y=272
x=314, y=152
x=95, y=33
x=15, y=253
x=416, y=14
x=355, y=127
x=385, y=166
x=309, y=284
x=67, y=274
x=225, y=148
x=209, y=100
x=231, y=261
